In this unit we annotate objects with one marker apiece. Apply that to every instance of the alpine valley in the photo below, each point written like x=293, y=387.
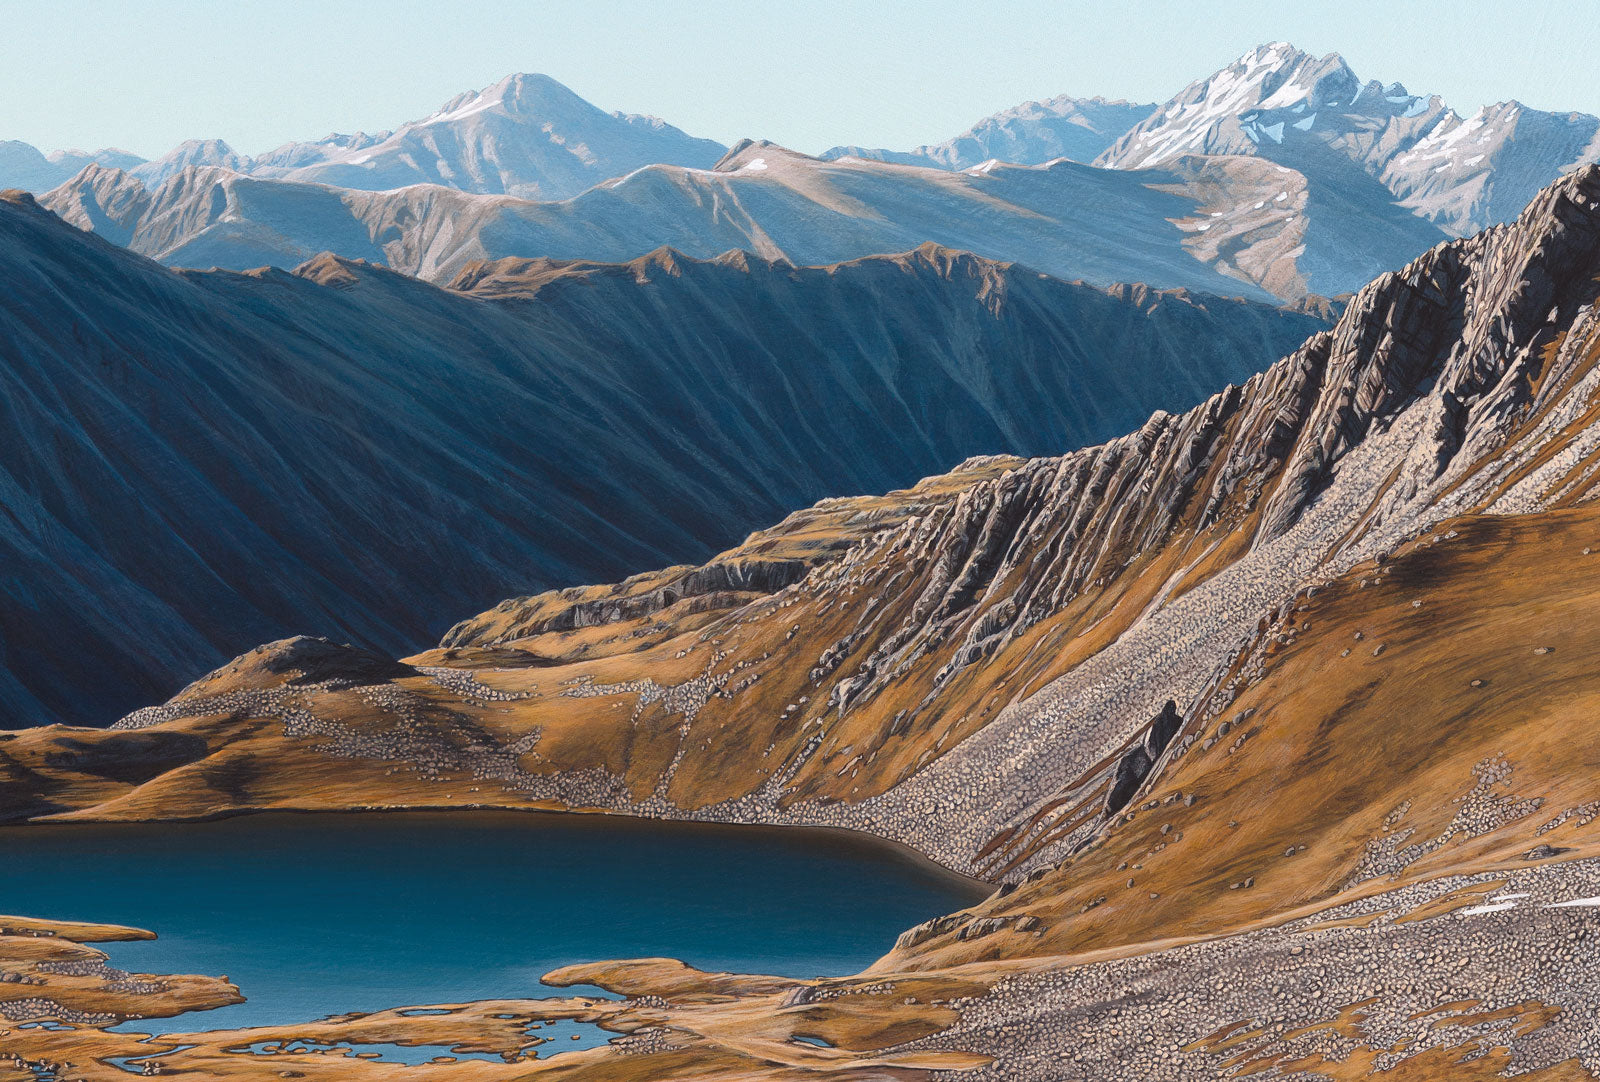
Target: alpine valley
x=1238, y=642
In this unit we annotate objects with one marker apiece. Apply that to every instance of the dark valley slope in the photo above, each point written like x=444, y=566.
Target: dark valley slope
x=194, y=462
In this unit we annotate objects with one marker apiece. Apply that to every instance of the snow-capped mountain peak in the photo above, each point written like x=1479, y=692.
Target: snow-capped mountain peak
x=1468, y=172
x=1269, y=95
x=518, y=95
x=526, y=135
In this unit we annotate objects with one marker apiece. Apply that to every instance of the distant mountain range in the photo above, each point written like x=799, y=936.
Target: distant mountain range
x=526, y=135
x=1363, y=141
x=1227, y=225
x=1281, y=175
x=199, y=461
x=23, y=166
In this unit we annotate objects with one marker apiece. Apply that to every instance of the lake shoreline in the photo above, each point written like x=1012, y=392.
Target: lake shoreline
x=858, y=840
x=316, y=911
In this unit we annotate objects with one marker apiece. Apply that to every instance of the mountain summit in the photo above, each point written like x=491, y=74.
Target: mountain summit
x=526, y=135
x=1276, y=96
x=1366, y=142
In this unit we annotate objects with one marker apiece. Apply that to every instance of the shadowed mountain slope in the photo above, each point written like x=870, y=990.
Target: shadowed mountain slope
x=198, y=461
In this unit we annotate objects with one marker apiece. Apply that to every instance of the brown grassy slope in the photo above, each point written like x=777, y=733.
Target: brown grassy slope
x=1429, y=716
x=530, y=648
x=48, y=960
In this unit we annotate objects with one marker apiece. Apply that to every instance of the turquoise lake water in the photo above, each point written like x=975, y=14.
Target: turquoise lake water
x=314, y=915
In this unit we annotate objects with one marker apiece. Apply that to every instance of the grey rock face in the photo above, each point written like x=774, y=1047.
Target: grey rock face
x=1138, y=761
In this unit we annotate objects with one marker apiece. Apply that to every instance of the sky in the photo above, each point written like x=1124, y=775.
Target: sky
x=145, y=75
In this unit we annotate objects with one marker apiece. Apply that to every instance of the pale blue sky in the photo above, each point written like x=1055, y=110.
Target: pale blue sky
x=78, y=73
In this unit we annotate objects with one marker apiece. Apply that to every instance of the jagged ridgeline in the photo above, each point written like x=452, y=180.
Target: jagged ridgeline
x=196, y=462
x=1221, y=697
